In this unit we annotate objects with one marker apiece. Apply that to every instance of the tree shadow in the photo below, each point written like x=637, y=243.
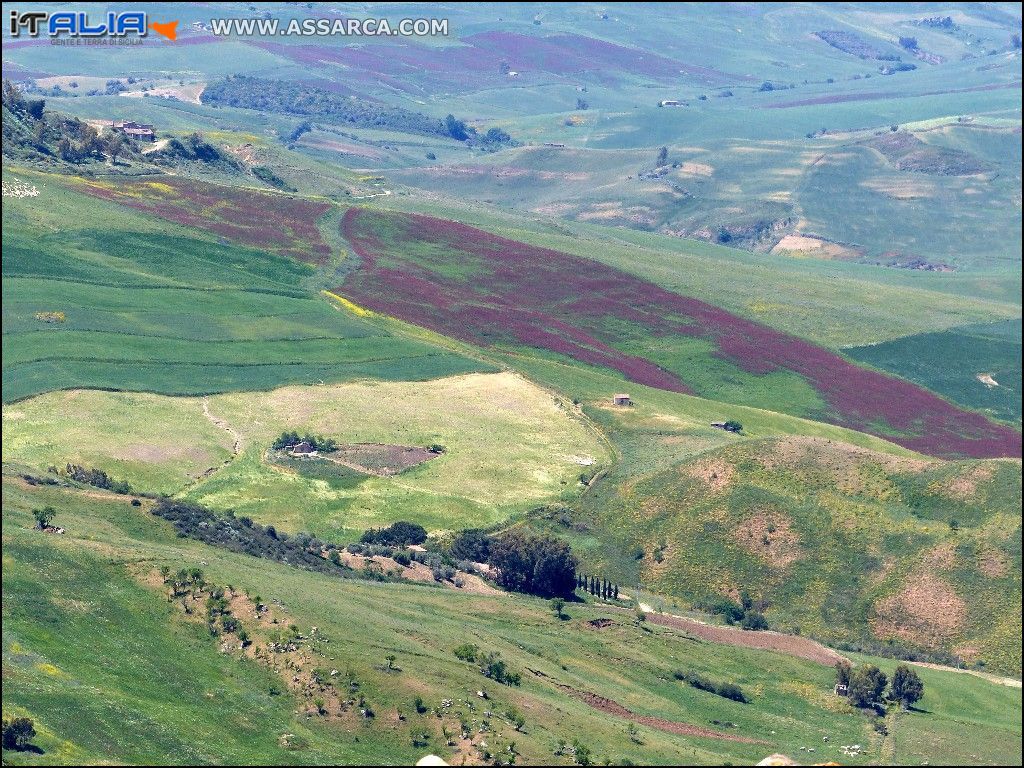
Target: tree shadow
x=29, y=748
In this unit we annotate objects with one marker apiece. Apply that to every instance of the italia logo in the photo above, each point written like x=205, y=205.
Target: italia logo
x=81, y=24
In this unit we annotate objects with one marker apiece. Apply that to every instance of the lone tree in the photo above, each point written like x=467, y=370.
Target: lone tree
x=843, y=670
x=906, y=686
x=733, y=426
x=18, y=733
x=662, y=156
x=867, y=683
x=557, y=606
x=43, y=517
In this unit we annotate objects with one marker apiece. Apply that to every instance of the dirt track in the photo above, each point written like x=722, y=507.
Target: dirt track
x=792, y=645
x=669, y=726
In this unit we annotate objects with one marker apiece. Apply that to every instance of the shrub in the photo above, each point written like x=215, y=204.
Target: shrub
x=96, y=478
x=581, y=753
x=725, y=690
x=403, y=559
x=494, y=667
x=557, y=604
x=754, y=620
x=267, y=175
x=466, y=652
x=18, y=733
x=242, y=535
x=44, y=517
x=843, y=669
x=722, y=606
x=317, y=442
x=471, y=544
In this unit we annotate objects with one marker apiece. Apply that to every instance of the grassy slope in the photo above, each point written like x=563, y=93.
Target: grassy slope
x=220, y=710
x=949, y=362
x=826, y=534
x=155, y=307
x=509, y=445
x=897, y=506
x=796, y=296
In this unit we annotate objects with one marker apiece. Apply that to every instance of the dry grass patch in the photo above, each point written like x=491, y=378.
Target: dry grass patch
x=926, y=612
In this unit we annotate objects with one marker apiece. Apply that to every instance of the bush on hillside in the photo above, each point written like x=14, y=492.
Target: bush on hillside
x=725, y=690
x=906, y=687
x=471, y=544
x=18, y=733
x=399, y=534
x=316, y=442
x=867, y=684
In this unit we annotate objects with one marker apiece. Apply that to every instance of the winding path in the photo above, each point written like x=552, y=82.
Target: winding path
x=236, y=446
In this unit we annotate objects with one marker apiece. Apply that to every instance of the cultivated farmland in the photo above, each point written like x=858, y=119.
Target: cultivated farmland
x=157, y=307
x=487, y=290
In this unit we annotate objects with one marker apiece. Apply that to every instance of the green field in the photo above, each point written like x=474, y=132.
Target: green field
x=955, y=362
x=150, y=306
x=180, y=700
x=509, y=445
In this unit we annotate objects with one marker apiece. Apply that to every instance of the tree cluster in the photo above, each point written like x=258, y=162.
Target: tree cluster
x=194, y=148
x=240, y=534
x=31, y=132
x=536, y=564
x=471, y=544
x=295, y=98
x=598, y=587
x=866, y=685
x=317, y=442
x=399, y=534
x=18, y=733
x=97, y=478
x=747, y=613
x=725, y=690
x=489, y=663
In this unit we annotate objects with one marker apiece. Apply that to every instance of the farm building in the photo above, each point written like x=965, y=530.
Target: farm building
x=670, y=103
x=621, y=399
x=134, y=130
x=303, y=449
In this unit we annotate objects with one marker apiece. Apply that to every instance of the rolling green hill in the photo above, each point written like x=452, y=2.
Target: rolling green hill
x=803, y=218
x=837, y=542
x=976, y=365
x=98, y=295
x=184, y=696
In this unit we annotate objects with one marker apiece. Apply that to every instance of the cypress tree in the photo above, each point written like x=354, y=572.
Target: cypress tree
x=616, y=591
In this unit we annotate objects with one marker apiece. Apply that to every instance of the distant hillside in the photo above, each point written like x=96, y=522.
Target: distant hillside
x=294, y=98
x=833, y=541
x=497, y=292
x=33, y=133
